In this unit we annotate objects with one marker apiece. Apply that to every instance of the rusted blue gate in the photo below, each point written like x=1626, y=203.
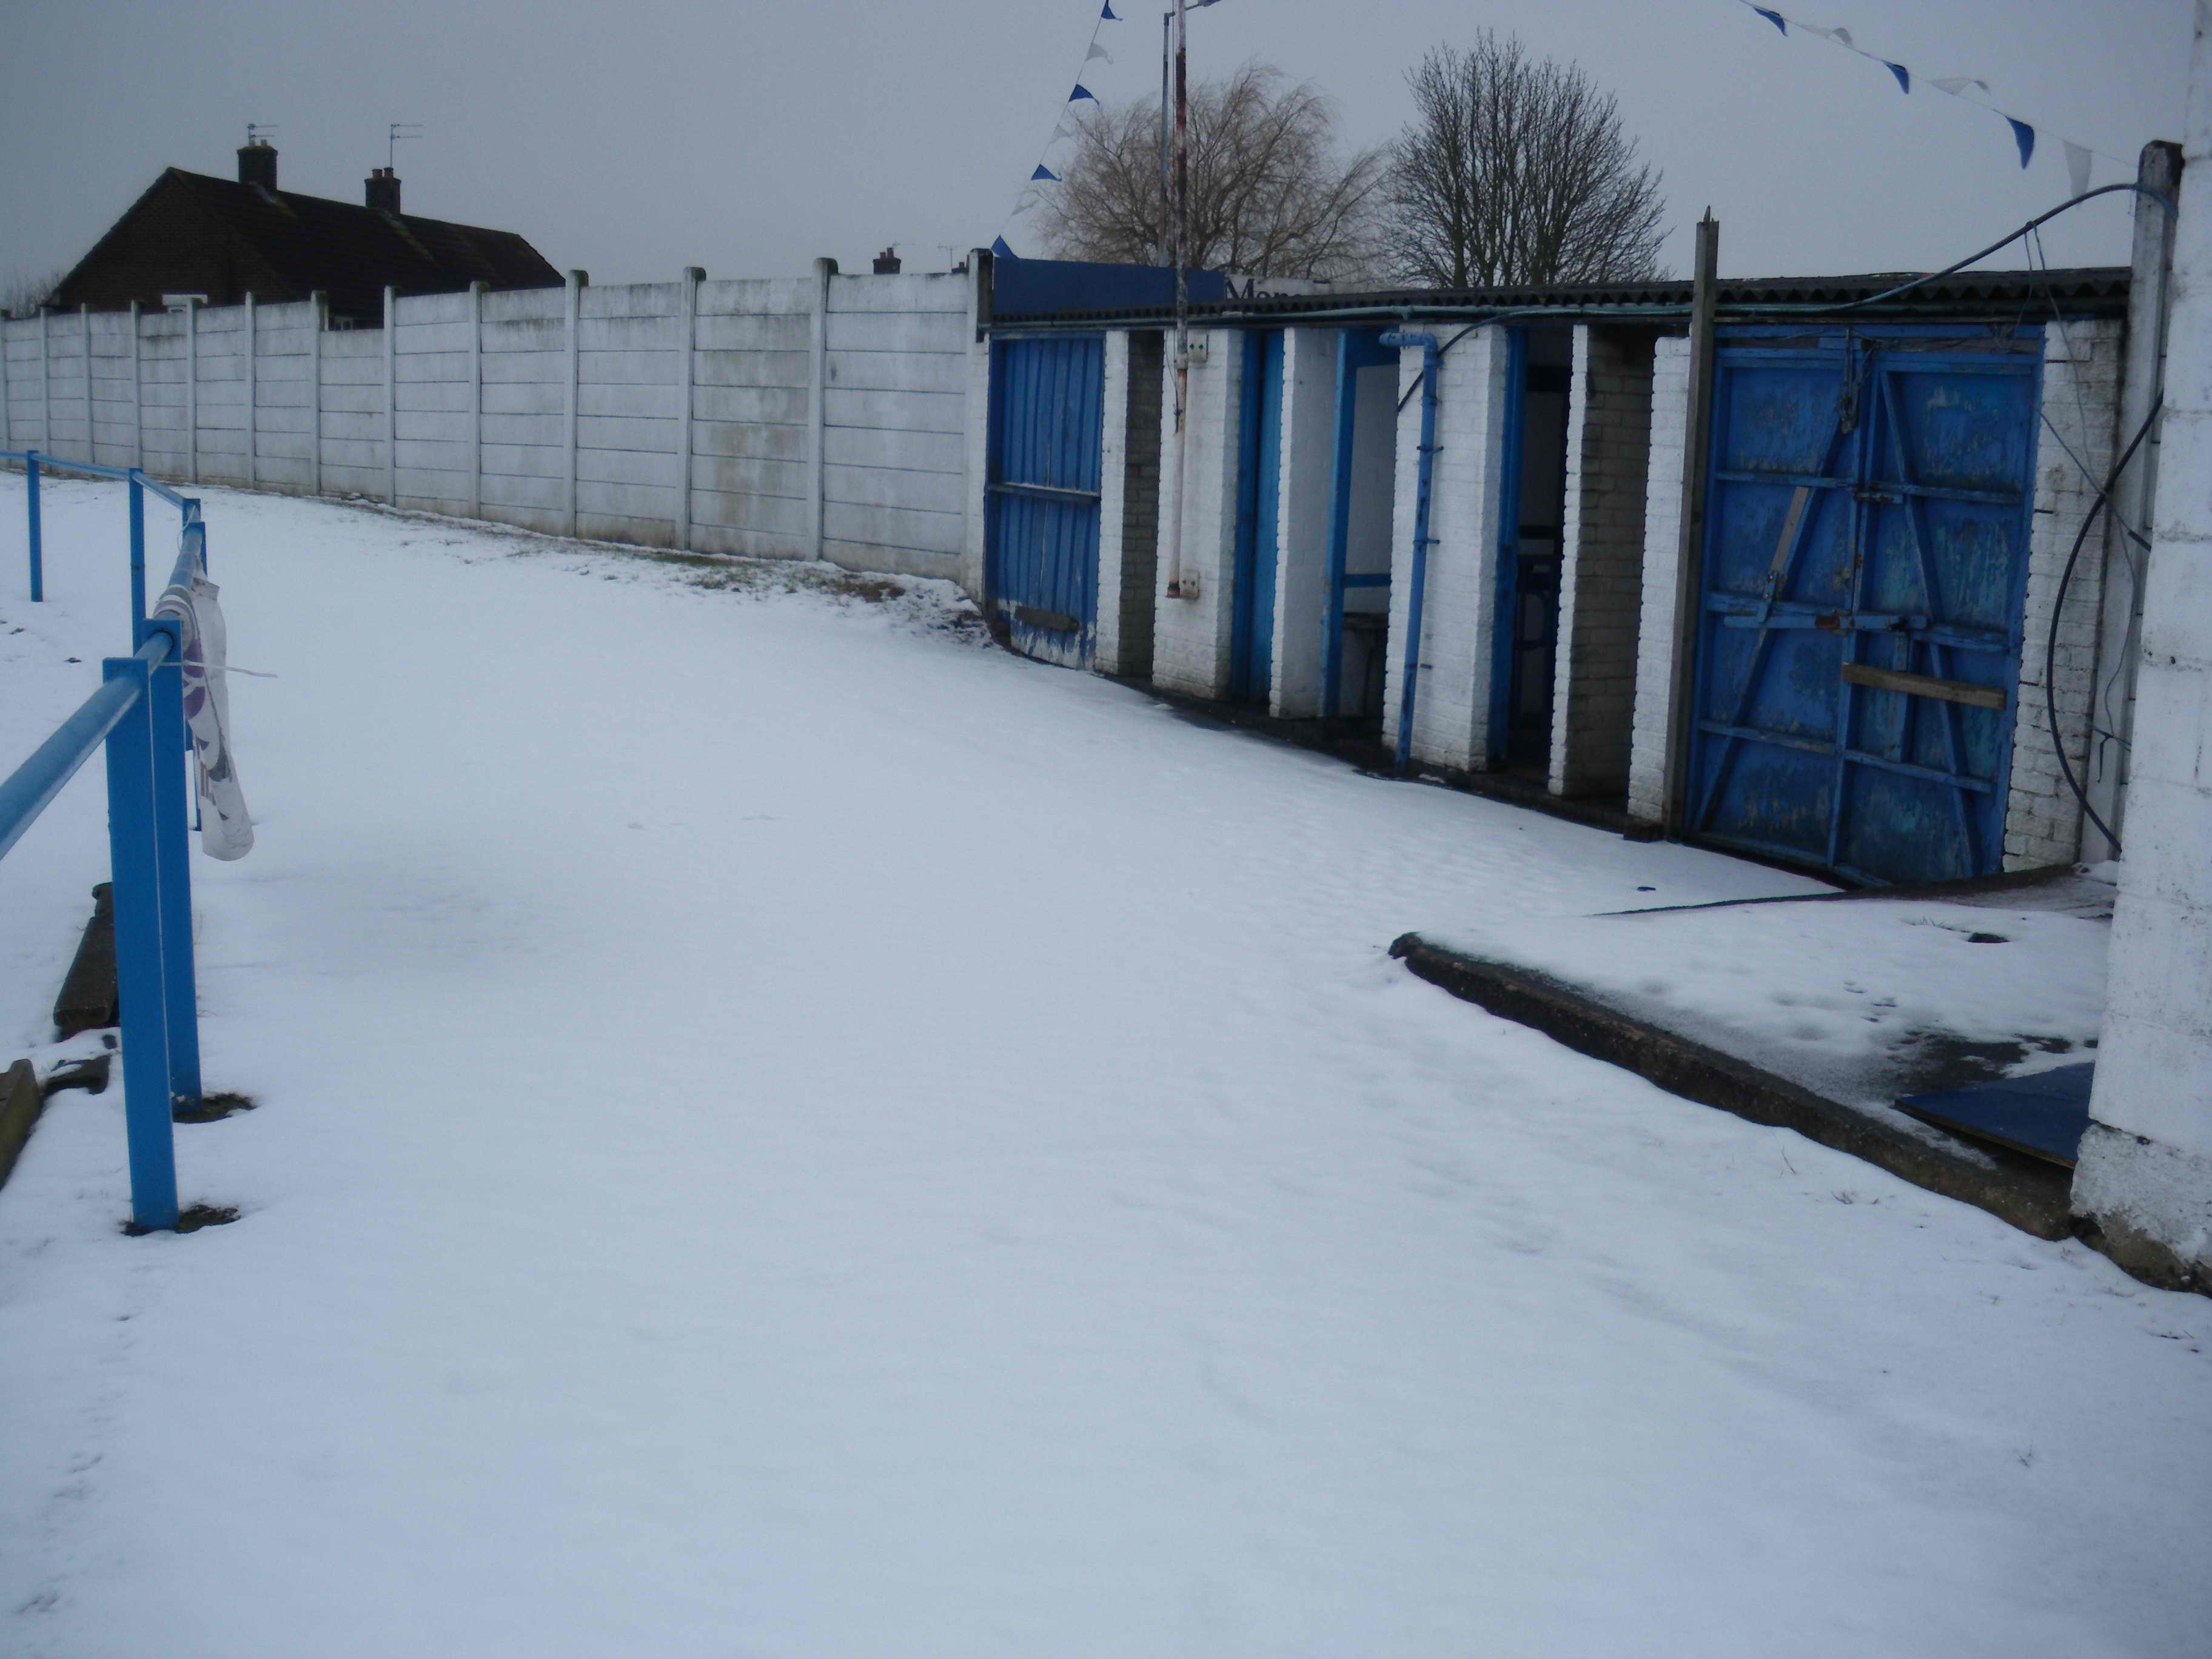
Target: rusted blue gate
x=1865, y=565
x=1041, y=548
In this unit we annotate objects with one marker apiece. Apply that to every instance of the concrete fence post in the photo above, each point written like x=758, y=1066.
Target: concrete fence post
x=84, y=331
x=45, y=383
x=320, y=320
x=573, y=379
x=252, y=397
x=818, y=383
x=192, y=385
x=137, y=394
x=391, y=398
x=689, y=310
x=476, y=399
x=7, y=412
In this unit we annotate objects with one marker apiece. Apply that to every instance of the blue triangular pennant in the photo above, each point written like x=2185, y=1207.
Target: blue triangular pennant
x=1773, y=17
x=1044, y=172
x=1903, y=76
x=1001, y=250
x=2024, y=136
x=1106, y=13
x=1080, y=93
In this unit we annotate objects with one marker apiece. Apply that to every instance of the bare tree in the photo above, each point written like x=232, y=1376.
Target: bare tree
x=1516, y=170
x=22, y=292
x=1270, y=192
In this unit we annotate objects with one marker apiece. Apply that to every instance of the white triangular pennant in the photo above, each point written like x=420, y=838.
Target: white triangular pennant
x=2077, y=166
x=1097, y=51
x=1956, y=85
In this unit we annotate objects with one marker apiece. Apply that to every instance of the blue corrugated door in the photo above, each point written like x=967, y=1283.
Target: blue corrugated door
x=1252, y=629
x=1042, y=518
x=1865, y=561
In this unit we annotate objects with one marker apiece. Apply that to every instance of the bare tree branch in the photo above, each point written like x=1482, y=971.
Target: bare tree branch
x=1269, y=191
x=1516, y=170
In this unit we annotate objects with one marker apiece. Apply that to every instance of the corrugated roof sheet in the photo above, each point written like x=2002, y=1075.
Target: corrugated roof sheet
x=2089, y=291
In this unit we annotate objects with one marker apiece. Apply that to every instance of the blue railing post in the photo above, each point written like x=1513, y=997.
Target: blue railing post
x=38, y=553
x=172, y=859
x=149, y=1111
x=137, y=559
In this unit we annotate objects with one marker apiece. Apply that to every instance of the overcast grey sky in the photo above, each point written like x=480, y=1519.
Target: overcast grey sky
x=634, y=138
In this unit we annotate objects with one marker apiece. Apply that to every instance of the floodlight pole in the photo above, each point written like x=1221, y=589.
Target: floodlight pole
x=1179, y=586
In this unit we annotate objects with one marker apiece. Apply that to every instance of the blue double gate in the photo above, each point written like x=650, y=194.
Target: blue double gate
x=1040, y=525
x=1259, y=543
x=1865, y=568
x=138, y=716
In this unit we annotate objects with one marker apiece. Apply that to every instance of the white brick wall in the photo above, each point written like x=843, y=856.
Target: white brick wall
x=2148, y=1176
x=1657, y=621
x=1191, y=636
x=1451, y=720
x=2081, y=400
x=1600, y=578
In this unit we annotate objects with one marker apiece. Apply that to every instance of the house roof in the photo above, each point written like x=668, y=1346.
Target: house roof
x=2092, y=291
x=348, y=250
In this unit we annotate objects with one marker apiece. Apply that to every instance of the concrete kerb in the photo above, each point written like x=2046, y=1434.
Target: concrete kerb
x=2029, y=1194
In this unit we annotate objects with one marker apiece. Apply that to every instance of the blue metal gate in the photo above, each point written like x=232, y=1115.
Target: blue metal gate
x=1041, y=548
x=1259, y=475
x=1865, y=565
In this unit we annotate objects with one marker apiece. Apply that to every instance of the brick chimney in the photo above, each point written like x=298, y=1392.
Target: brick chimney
x=256, y=163
x=382, y=190
x=887, y=263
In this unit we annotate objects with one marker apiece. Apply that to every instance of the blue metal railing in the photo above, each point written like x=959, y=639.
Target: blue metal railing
x=138, y=716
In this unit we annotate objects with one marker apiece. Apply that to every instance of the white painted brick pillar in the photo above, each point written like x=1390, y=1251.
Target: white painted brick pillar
x=2145, y=1175
x=1451, y=713
x=1658, y=624
x=1191, y=636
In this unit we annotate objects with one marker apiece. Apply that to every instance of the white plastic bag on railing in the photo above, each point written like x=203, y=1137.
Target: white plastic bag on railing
x=226, y=831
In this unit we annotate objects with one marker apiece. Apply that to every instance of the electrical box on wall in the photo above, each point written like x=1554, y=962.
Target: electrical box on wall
x=1196, y=351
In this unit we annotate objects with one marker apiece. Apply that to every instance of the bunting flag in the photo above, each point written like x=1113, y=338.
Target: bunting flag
x=2079, y=156
x=2077, y=167
x=1035, y=189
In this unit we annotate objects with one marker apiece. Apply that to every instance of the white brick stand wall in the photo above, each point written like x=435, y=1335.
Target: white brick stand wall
x=1657, y=622
x=2081, y=400
x=1452, y=718
x=1191, y=636
x=1113, y=499
x=2146, y=1165
x=1600, y=575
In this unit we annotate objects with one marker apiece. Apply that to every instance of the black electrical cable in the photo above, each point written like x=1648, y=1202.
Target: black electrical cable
x=2059, y=609
x=1408, y=397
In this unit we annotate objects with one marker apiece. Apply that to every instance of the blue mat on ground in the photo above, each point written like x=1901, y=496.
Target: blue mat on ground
x=2043, y=1116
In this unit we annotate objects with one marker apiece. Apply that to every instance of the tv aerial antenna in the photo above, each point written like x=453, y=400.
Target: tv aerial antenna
x=393, y=134
x=257, y=132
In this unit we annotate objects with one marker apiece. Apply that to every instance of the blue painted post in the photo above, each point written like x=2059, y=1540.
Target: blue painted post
x=1410, y=677
x=1340, y=522
x=137, y=559
x=192, y=516
x=135, y=872
x=38, y=553
x=173, y=853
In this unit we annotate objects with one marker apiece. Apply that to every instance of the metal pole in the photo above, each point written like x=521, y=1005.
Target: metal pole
x=1409, y=677
x=137, y=559
x=1167, y=118
x=148, y=1110
x=1690, y=547
x=173, y=851
x=1181, y=587
x=38, y=550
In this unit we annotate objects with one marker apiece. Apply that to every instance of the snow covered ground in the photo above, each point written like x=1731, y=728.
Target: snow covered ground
x=783, y=1132
x=1840, y=996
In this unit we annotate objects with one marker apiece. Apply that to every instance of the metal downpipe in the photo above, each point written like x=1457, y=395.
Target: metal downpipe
x=1409, y=676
